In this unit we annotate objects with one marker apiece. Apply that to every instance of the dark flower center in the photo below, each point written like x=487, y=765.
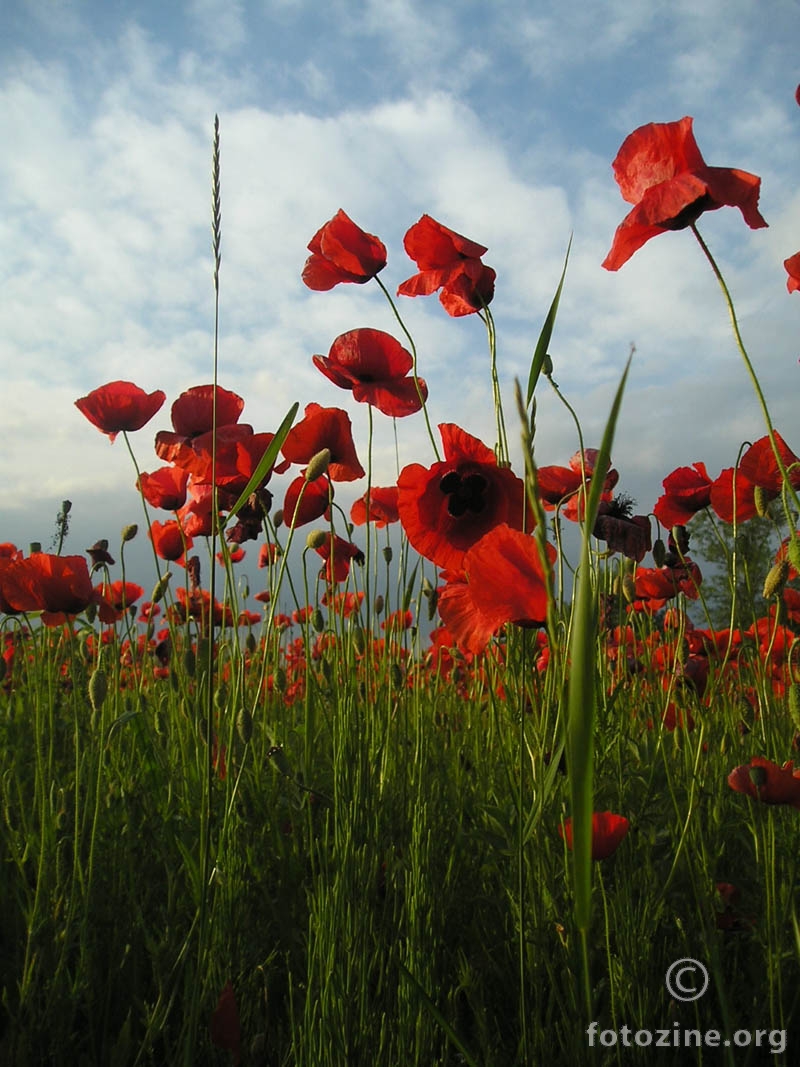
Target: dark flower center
x=464, y=494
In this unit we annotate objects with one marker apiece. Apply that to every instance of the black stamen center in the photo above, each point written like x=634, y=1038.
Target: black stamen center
x=464, y=494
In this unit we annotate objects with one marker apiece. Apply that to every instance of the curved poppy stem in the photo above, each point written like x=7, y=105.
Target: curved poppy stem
x=502, y=439
x=410, y=340
x=750, y=369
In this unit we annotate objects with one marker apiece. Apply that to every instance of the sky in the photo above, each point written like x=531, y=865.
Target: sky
x=500, y=120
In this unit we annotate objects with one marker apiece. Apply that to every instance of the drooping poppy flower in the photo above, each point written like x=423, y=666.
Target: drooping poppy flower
x=306, y=501
x=375, y=366
x=622, y=531
x=120, y=406
x=446, y=508
x=687, y=490
x=325, y=428
x=608, y=832
x=766, y=781
x=449, y=262
x=760, y=466
x=169, y=541
x=164, y=488
x=660, y=170
x=378, y=506
x=337, y=554
x=342, y=252
x=225, y=1030
x=792, y=265
x=99, y=554
x=501, y=581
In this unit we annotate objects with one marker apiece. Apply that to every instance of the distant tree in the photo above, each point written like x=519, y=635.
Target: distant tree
x=711, y=546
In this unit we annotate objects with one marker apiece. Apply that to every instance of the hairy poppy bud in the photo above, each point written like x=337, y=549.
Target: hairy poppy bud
x=794, y=703
x=387, y=553
x=760, y=501
x=129, y=531
x=318, y=464
x=776, y=579
x=244, y=725
x=317, y=620
x=316, y=539
x=628, y=586
x=98, y=688
x=793, y=552
x=378, y=604
x=659, y=553
x=160, y=588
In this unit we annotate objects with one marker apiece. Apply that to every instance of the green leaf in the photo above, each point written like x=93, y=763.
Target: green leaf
x=544, y=337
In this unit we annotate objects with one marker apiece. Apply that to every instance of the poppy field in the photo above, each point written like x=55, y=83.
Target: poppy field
x=439, y=791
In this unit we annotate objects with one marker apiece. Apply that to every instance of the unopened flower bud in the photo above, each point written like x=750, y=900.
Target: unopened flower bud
x=316, y=539
x=659, y=553
x=317, y=620
x=250, y=643
x=628, y=588
x=129, y=531
x=776, y=579
x=66, y=507
x=160, y=587
x=760, y=501
x=793, y=552
x=794, y=703
x=378, y=604
x=244, y=725
x=387, y=553
x=277, y=518
x=318, y=465
x=98, y=688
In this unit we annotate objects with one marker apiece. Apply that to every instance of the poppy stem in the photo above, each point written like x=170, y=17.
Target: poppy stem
x=750, y=369
x=410, y=340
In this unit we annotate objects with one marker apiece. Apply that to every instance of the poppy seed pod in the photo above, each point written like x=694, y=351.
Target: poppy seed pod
x=318, y=465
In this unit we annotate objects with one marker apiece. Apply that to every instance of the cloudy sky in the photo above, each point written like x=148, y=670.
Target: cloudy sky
x=501, y=120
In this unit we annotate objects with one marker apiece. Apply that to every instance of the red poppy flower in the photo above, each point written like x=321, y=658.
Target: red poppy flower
x=375, y=366
x=687, y=491
x=766, y=781
x=559, y=484
x=502, y=581
x=224, y=1029
x=378, y=506
x=660, y=170
x=732, y=496
x=325, y=428
x=342, y=252
x=164, y=488
x=116, y=598
x=446, y=508
x=792, y=265
x=193, y=415
x=608, y=831
x=55, y=585
x=168, y=541
x=760, y=466
x=313, y=505
x=120, y=406
x=449, y=262
x=655, y=585
x=337, y=554
x=268, y=554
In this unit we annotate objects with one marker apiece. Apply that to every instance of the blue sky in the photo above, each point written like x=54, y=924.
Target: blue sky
x=501, y=120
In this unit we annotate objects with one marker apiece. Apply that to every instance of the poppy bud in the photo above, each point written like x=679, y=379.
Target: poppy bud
x=316, y=539
x=760, y=501
x=221, y=697
x=35, y=547
x=277, y=518
x=547, y=365
x=758, y=776
x=659, y=553
x=66, y=507
x=129, y=532
x=433, y=602
x=387, y=553
x=91, y=613
x=244, y=725
x=628, y=588
x=378, y=604
x=776, y=579
x=280, y=679
x=794, y=703
x=317, y=621
x=681, y=539
x=160, y=588
x=318, y=464
x=793, y=552
x=98, y=689
x=190, y=662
